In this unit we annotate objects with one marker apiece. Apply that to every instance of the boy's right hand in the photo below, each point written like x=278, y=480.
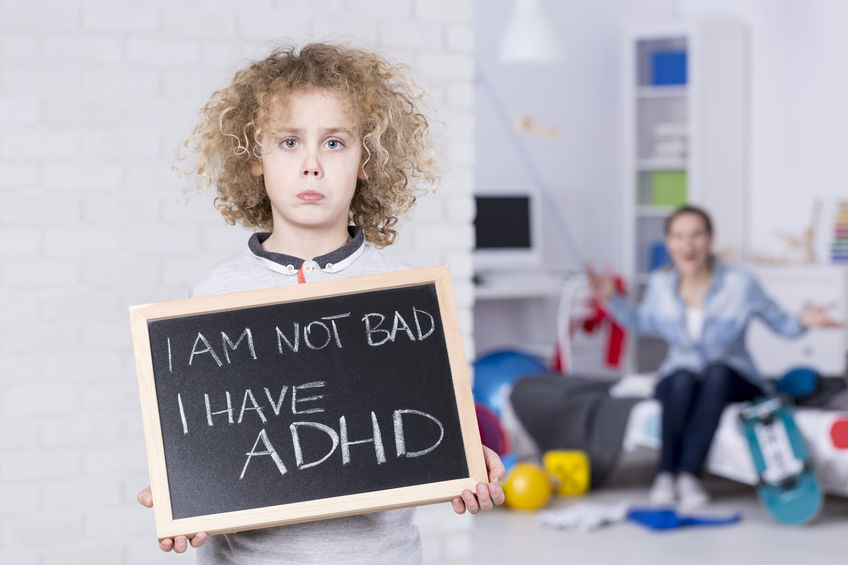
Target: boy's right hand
x=179, y=543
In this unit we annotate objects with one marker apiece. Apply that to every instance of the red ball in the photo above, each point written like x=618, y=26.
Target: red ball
x=491, y=433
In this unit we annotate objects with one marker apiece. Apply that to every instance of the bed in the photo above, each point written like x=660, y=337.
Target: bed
x=825, y=433
x=611, y=420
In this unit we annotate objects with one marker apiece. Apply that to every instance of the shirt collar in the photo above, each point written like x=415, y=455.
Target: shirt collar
x=333, y=261
x=716, y=279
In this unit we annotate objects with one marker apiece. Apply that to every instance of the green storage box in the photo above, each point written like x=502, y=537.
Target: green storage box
x=668, y=188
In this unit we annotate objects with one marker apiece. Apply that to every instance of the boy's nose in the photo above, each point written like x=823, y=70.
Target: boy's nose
x=311, y=166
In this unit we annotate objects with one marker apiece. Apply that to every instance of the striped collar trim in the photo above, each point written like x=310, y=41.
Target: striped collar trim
x=331, y=262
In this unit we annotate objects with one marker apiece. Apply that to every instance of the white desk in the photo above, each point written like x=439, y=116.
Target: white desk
x=517, y=285
x=517, y=310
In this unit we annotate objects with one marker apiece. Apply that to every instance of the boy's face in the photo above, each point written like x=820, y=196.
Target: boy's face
x=311, y=161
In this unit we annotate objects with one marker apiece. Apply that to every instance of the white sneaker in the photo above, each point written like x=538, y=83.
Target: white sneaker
x=663, y=490
x=691, y=492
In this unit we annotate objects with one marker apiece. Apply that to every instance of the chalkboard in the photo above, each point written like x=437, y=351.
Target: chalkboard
x=305, y=402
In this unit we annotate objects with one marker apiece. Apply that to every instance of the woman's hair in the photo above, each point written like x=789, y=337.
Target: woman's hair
x=397, y=149
x=700, y=212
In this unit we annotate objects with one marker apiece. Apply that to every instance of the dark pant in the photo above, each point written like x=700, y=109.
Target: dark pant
x=691, y=410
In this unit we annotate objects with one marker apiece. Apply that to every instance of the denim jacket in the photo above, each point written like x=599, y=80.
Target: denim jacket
x=733, y=299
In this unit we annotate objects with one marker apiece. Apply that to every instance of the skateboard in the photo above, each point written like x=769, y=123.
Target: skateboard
x=787, y=486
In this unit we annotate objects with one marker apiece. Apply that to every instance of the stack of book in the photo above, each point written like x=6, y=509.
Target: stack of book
x=839, y=245
x=670, y=141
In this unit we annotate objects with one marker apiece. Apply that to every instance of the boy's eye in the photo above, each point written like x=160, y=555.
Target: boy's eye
x=289, y=143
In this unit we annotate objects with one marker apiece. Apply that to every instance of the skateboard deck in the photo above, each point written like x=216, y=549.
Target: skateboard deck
x=787, y=486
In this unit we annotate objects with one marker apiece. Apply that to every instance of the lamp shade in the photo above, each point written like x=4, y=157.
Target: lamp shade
x=529, y=36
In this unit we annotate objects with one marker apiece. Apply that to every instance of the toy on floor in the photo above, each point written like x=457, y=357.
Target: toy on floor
x=584, y=517
x=492, y=434
x=527, y=486
x=787, y=486
x=569, y=470
x=669, y=519
x=496, y=373
x=800, y=381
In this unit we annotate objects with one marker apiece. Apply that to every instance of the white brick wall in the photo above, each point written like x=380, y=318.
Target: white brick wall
x=95, y=96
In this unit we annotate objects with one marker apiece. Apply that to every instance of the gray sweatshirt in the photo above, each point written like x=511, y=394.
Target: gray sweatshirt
x=381, y=537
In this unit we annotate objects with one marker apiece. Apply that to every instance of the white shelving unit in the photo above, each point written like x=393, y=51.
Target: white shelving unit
x=691, y=131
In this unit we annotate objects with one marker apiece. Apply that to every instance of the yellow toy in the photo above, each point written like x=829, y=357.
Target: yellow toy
x=569, y=470
x=527, y=487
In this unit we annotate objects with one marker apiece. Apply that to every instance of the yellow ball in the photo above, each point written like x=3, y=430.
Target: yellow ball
x=527, y=487
x=569, y=469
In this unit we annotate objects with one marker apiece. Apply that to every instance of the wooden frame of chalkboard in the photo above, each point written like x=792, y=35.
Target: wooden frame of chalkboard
x=385, y=362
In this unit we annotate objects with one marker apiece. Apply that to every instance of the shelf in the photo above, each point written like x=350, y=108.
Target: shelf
x=647, y=211
x=673, y=91
x=684, y=143
x=661, y=164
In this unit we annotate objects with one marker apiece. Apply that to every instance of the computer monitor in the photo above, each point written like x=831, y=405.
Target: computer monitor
x=508, y=231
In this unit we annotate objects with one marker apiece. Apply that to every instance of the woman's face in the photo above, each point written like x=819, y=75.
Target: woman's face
x=688, y=243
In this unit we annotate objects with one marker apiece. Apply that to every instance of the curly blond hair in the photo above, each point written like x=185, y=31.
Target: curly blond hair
x=397, y=148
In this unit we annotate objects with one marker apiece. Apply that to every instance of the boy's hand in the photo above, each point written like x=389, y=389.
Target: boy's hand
x=487, y=495
x=179, y=543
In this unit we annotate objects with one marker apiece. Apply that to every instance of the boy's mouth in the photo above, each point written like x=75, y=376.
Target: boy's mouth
x=310, y=196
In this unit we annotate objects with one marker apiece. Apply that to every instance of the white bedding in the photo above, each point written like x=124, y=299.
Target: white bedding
x=729, y=456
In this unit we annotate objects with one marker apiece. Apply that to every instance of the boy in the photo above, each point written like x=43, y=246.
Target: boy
x=300, y=145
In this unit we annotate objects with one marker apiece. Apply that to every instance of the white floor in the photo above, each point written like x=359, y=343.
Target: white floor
x=508, y=537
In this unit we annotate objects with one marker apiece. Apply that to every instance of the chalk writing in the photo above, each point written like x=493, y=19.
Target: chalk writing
x=399, y=323
x=341, y=440
x=228, y=410
x=248, y=394
x=295, y=399
x=225, y=339
x=298, y=401
x=208, y=349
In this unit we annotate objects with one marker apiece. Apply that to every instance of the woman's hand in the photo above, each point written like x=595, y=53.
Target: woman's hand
x=817, y=317
x=180, y=543
x=487, y=495
x=602, y=284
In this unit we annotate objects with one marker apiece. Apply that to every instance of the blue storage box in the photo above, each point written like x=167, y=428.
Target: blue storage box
x=659, y=255
x=668, y=67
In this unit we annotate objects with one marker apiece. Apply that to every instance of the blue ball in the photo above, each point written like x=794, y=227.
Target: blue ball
x=509, y=460
x=800, y=381
x=496, y=373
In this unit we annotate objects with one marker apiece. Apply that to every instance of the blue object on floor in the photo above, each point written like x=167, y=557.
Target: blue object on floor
x=800, y=381
x=669, y=519
x=496, y=373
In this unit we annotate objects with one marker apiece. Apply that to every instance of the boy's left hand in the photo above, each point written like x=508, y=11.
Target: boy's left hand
x=487, y=495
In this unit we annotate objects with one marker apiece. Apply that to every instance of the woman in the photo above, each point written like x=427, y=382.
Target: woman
x=701, y=307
